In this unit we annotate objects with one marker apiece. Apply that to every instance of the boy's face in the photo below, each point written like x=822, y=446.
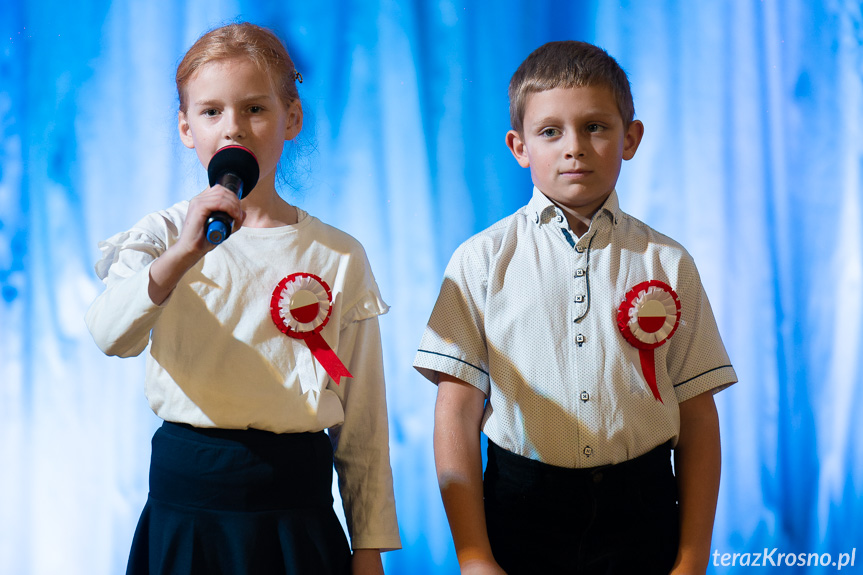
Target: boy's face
x=573, y=141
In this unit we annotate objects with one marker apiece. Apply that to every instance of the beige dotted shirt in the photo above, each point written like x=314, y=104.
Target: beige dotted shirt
x=527, y=313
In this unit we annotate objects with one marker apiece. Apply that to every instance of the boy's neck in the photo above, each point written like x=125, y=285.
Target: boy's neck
x=579, y=217
x=578, y=223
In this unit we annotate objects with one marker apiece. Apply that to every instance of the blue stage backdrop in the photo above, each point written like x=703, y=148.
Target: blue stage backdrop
x=752, y=158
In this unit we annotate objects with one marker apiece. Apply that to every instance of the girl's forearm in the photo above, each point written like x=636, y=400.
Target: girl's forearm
x=167, y=271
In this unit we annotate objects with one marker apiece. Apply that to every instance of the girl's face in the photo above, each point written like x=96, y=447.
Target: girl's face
x=231, y=102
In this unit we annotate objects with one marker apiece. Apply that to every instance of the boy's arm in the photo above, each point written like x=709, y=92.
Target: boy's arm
x=697, y=465
x=367, y=562
x=458, y=459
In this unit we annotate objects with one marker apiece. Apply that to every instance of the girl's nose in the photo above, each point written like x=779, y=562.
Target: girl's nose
x=234, y=129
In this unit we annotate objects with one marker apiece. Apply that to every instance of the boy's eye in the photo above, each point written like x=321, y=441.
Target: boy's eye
x=594, y=127
x=549, y=132
x=256, y=109
x=210, y=112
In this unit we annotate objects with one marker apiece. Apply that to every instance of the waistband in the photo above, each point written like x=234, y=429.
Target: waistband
x=655, y=463
x=240, y=470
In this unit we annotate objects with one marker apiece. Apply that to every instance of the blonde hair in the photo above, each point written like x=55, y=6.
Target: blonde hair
x=260, y=45
x=568, y=64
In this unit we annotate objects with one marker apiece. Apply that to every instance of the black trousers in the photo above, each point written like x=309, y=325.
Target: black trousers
x=617, y=519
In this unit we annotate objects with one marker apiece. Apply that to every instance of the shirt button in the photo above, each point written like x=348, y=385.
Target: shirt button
x=584, y=396
x=579, y=272
x=579, y=299
x=559, y=219
x=579, y=339
x=536, y=218
x=579, y=249
x=587, y=451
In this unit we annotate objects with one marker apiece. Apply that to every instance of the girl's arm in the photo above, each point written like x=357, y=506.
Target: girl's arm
x=170, y=267
x=361, y=443
x=697, y=464
x=458, y=459
x=140, y=273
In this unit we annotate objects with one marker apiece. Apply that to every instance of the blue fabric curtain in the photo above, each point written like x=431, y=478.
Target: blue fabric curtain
x=752, y=158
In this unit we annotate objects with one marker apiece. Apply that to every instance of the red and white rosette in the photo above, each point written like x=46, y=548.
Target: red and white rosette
x=301, y=306
x=647, y=318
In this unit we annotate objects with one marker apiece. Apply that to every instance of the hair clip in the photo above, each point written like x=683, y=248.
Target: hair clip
x=298, y=76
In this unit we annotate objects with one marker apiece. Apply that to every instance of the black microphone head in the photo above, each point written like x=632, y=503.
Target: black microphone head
x=235, y=160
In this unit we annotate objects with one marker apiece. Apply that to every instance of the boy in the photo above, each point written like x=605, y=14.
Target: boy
x=580, y=341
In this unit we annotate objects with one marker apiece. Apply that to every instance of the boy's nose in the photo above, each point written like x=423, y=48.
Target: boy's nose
x=574, y=147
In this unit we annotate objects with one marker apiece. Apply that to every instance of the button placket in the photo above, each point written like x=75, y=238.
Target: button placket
x=579, y=285
x=582, y=343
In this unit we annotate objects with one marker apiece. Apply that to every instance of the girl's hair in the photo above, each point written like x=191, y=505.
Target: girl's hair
x=258, y=44
x=568, y=64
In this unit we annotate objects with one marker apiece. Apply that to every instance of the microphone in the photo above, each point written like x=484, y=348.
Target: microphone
x=235, y=168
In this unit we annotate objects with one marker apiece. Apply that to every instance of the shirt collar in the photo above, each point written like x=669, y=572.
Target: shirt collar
x=541, y=210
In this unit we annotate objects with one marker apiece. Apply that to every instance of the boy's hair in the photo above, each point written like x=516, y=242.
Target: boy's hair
x=258, y=44
x=568, y=64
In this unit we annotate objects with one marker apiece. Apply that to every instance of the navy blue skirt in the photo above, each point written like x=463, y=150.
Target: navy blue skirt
x=239, y=502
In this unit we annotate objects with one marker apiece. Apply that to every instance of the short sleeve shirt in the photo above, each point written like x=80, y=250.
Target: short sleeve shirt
x=527, y=313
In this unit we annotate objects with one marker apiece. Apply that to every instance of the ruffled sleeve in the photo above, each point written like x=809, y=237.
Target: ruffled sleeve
x=121, y=318
x=368, y=306
x=138, y=249
x=364, y=296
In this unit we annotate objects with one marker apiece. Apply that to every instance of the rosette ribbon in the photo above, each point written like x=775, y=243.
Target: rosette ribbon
x=301, y=306
x=647, y=318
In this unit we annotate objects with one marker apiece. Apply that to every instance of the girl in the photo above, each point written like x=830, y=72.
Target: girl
x=247, y=345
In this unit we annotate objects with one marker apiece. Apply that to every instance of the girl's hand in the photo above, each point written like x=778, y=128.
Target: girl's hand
x=193, y=239
x=168, y=268
x=367, y=562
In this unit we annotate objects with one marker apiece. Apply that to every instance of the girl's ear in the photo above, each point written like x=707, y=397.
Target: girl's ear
x=185, y=130
x=295, y=120
x=515, y=143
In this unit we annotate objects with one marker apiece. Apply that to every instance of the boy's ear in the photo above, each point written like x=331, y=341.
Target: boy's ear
x=632, y=139
x=295, y=120
x=185, y=130
x=515, y=143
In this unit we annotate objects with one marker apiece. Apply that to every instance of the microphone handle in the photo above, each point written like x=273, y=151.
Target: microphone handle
x=219, y=224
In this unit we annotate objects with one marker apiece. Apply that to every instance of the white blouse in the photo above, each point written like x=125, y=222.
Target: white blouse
x=216, y=358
